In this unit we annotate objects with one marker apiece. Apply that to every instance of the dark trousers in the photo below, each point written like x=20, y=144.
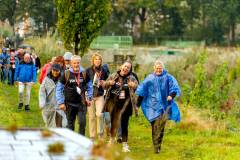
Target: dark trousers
x=158, y=131
x=124, y=126
x=119, y=116
x=73, y=113
x=11, y=76
x=4, y=73
x=58, y=120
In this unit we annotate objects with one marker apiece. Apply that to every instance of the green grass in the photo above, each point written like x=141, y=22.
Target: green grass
x=178, y=143
x=9, y=113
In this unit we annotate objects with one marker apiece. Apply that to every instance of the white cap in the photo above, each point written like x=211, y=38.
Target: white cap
x=67, y=56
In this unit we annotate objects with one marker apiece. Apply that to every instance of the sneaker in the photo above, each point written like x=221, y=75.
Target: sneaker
x=27, y=108
x=125, y=147
x=20, y=105
x=92, y=139
x=100, y=137
x=111, y=141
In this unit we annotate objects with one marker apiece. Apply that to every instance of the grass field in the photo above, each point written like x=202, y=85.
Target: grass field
x=179, y=142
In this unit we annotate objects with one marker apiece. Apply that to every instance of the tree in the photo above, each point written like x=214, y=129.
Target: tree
x=230, y=17
x=43, y=12
x=7, y=11
x=80, y=21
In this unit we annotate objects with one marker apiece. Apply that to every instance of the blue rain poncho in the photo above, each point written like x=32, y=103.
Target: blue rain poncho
x=155, y=89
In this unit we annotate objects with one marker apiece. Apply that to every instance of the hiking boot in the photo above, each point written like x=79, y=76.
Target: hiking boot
x=157, y=150
x=20, y=105
x=27, y=108
x=119, y=140
x=125, y=147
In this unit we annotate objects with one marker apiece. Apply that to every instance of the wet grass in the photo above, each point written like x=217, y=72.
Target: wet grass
x=178, y=143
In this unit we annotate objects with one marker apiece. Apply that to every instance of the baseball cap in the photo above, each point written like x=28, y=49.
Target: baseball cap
x=56, y=67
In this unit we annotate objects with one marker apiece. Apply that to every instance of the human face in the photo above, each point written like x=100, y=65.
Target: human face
x=55, y=73
x=97, y=61
x=126, y=67
x=33, y=55
x=75, y=64
x=27, y=58
x=12, y=54
x=158, y=69
x=67, y=62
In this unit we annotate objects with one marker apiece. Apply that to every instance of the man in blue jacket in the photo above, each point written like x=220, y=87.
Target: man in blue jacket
x=3, y=64
x=156, y=96
x=25, y=76
x=71, y=94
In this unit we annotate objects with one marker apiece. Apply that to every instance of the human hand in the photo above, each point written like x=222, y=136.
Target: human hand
x=62, y=107
x=88, y=102
x=169, y=98
x=131, y=84
x=111, y=82
x=102, y=83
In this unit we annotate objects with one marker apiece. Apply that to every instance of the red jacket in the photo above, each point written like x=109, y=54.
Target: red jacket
x=44, y=72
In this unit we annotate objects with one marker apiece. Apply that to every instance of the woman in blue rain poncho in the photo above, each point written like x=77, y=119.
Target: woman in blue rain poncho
x=156, y=97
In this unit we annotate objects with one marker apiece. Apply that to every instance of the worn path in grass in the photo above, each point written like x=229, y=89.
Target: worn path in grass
x=179, y=143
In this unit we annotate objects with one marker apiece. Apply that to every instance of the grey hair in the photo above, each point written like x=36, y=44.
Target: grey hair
x=76, y=57
x=27, y=55
x=159, y=62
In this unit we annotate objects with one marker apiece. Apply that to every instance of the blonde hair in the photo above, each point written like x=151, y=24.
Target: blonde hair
x=94, y=56
x=76, y=57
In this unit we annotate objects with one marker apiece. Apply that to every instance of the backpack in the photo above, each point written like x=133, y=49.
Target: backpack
x=67, y=76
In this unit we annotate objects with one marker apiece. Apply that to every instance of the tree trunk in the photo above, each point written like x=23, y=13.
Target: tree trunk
x=232, y=28
x=143, y=17
x=76, y=43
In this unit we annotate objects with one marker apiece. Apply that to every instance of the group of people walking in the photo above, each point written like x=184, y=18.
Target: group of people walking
x=68, y=92
x=20, y=67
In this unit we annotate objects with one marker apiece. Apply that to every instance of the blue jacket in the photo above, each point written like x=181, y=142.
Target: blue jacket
x=3, y=58
x=155, y=90
x=60, y=88
x=25, y=72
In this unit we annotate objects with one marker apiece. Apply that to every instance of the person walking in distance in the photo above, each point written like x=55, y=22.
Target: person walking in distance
x=25, y=76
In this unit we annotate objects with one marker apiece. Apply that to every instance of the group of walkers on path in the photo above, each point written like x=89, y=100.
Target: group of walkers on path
x=19, y=66
x=68, y=92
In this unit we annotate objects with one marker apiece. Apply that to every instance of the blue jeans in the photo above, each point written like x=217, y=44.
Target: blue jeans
x=11, y=73
x=4, y=74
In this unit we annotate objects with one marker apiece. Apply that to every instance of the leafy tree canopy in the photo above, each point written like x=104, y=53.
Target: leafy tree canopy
x=80, y=21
